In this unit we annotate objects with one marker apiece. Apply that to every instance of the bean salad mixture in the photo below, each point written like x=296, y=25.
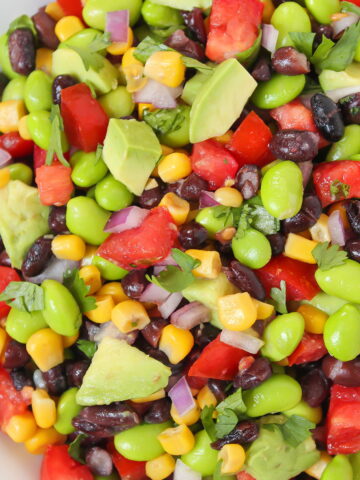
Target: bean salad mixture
x=180, y=239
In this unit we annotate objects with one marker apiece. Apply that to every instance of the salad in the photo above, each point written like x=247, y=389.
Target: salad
x=180, y=239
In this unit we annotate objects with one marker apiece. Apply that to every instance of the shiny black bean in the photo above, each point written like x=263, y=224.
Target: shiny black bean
x=319, y=434
x=22, y=51
x=218, y=389
x=327, y=117
x=99, y=461
x=150, y=198
x=184, y=45
x=315, y=387
x=353, y=213
x=245, y=432
x=295, y=145
x=134, y=283
x=4, y=259
x=192, y=187
x=15, y=355
x=192, y=235
x=342, y=373
x=2, y=247
x=159, y=411
x=37, y=257
x=89, y=330
x=353, y=249
x=21, y=378
x=350, y=108
x=60, y=82
x=204, y=334
x=152, y=331
x=194, y=20
x=277, y=243
x=45, y=26
x=57, y=220
x=251, y=377
x=75, y=372
x=288, y=61
x=321, y=29
x=246, y=280
x=262, y=70
x=247, y=181
x=55, y=380
x=307, y=217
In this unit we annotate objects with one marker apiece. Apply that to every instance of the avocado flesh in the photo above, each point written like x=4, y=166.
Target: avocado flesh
x=23, y=219
x=331, y=80
x=193, y=86
x=184, y=4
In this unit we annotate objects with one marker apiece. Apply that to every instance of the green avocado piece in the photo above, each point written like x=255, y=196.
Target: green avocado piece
x=66, y=61
x=220, y=101
x=131, y=150
x=23, y=219
x=184, y=4
x=120, y=372
x=331, y=80
x=193, y=86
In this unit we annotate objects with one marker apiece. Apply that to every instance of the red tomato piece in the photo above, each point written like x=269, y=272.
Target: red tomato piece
x=299, y=277
x=310, y=349
x=343, y=420
x=213, y=162
x=244, y=476
x=7, y=275
x=233, y=28
x=11, y=400
x=15, y=145
x=142, y=246
x=85, y=121
x=39, y=157
x=58, y=465
x=54, y=184
x=71, y=7
x=127, y=469
x=355, y=2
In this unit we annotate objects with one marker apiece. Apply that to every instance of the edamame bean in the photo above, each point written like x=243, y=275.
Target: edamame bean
x=14, y=90
x=290, y=17
x=5, y=59
x=202, y=458
x=140, y=443
x=180, y=137
x=323, y=9
x=117, y=103
x=37, y=94
x=91, y=192
x=160, y=15
x=87, y=170
x=282, y=190
x=214, y=219
x=81, y=39
x=252, y=248
x=339, y=467
x=303, y=409
x=39, y=126
x=342, y=281
x=85, y=218
x=277, y=394
x=61, y=312
x=346, y=147
x=278, y=91
x=113, y=476
x=112, y=194
x=282, y=336
x=22, y=172
x=326, y=303
x=21, y=325
x=342, y=333
x=94, y=11
x=67, y=409
x=108, y=270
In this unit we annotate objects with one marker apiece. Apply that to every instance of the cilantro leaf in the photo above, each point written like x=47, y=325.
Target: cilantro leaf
x=87, y=347
x=208, y=422
x=296, y=429
x=165, y=120
x=322, y=51
x=350, y=7
x=91, y=55
x=328, y=257
x=279, y=297
x=192, y=63
x=185, y=261
x=256, y=216
x=233, y=402
x=55, y=144
x=79, y=290
x=98, y=153
x=226, y=422
x=339, y=190
x=22, y=22
x=303, y=42
x=25, y=296
x=75, y=450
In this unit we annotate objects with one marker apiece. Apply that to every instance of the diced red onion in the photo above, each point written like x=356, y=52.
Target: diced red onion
x=207, y=199
x=125, y=219
x=109, y=329
x=158, y=269
x=181, y=397
x=183, y=472
x=117, y=24
x=342, y=24
x=158, y=94
x=170, y=304
x=190, y=316
x=5, y=158
x=54, y=271
x=269, y=37
x=243, y=340
x=337, y=228
x=306, y=170
x=339, y=93
x=154, y=294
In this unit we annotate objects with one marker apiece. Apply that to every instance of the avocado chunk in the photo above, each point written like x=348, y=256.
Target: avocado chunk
x=66, y=61
x=131, y=150
x=331, y=80
x=184, y=4
x=193, y=86
x=120, y=372
x=23, y=219
x=220, y=101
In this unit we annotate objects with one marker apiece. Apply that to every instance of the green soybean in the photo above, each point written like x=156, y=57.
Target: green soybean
x=282, y=336
x=252, y=248
x=108, y=270
x=112, y=194
x=38, y=91
x=113, y=476
x=87, y=170
x=117, y=103
x=342, y=281
x=5, y=59
x=160, y=15
x=202, y=458
x=14, y=90
x=278, y=91
x=81, y=39
x=67, y=409
x=61, y=312
x=339, y=467
x=214, y=219
x=22, y=172
x=180, y=137
x=346, y=147
x=140, y=443
x=323, y=9
x=326, y=303
x=94, y=11
x=21, y=325
x=91, y=192
x=39, y=125
x=342, y=333
x=290, y=17
x=303, y=409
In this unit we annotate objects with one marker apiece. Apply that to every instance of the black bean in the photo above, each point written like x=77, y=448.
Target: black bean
x=55, y=380
x=342, y=373
x=277, y=243
x=99, y=461
x=295, y=145
x=192, y=235
x=327, y=117
x=4, y=259
x=315, y=387
x=22, y=51
x=159, y=411
x=319, y=434
x=262, y=70
x=251, y=377
x=192, y=187
x=59, y=84
x=288, y=61
x=184, y=45
x=350, y=108
x=218, y=389
x=353, y=249
x=353, y=213
x=152, y=331
x=307, y=217
x=134, y=283
x=204, y=334
x=150, y=198
x=37, y=257
x=246, y=280
x=321, y=29
x=45, y=26
x=57, y=220
x=75, y=372
x=3, y=82
x=245, y=432
x=247, y=181
x=21, y=378
x=89, y=330
x=194, y=20
x=15, y=355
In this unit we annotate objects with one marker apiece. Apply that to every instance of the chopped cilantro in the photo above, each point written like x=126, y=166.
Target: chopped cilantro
x=25, y=296
x=55, y=144
x=328, y=257
x=79, y=290
x=279, y=297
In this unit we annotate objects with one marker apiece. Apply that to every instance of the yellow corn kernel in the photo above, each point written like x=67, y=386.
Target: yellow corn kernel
x=237, y=312
x=4, y=177
x=92, y=277
x=43, y=408
x=46, y=349
x=300, y=248
x=130, y=315
x=23, y=128
x=68, y=247
x=268, y=10
x=174, y=167
x=161, y=467
x=3, y=340
x=226, y=138
x=166, y=67
x=178, y=440
x=233, y=458
x=150, y=398
x=11, y=112
x=166, y=150
x=44, y=60
x=129, y=58
x=176, y=343
x=69, y=341
x=55, y=11
x=178, y=208
x=206, y=398
x=264, y=310
x=38, y=444
x=318, y=468
x=67, y=26
x=320, y=231
x=119, y=48
x=102, y=312
x=229, y=197
x=315, y=319
x=115, y=290
x=21, y=427
x=189, y=419
x=210, y=266
x=90, y=253
x=144, y=106
x=134, y=76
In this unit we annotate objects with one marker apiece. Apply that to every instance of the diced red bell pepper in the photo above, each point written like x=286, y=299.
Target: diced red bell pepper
x=218, y=360
x=85, y=120
x=7, y=275
x=355, y=2
x=299, y=277
x=127, y=469
x=213, y=162
x=71, y=7
x=12, y=402
x=54, y=184
x=310, y=349
x=233, y=28
x=343, y=420
x=15, y=145
x=250, y=142
x=58, y=465
x=244, y=476
x=39, y=157
x=333, y=174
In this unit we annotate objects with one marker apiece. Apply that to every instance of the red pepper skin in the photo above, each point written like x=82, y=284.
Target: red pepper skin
x=54, y=184
x=127, y=469
x=85, y=121
x=11, y=400
x=355, y=2
x=15, y=145
x=310, y=349
x=244, y=476
x=58, y=465
x=7, y=275
x=71, y=7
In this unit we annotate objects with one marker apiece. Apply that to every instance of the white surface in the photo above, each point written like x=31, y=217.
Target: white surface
x=16, y=463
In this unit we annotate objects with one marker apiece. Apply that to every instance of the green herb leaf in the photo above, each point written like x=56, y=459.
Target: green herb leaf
x=339, y=190
x=256, y=216
x=208, y=422
x=279, y=297
x=233, y=402
x=185, y=261
x=98, y=153
x=165, y=120
x=25, y=296
x=296, y=429
x=350, y=7
x=328, y=257
x=79, y=290
x=226, y=422
x=22, y=22
x=75, y=450
x=322, y=51
x=87, y=347
x=91, y=54
x=192, y=63
x=55, y=144
x=303, y=42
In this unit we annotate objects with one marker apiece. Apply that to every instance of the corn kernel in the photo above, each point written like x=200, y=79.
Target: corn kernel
x=192, y=215
x=92, y=278
x=174, y=167
x=189, y=418
x=67, y=26
x=144, y=106
x=21, y=427
x=4, y=177
x=68, y=247
x=44, y=60
x=38, y=444
x=130, y=315
x=318, y=468
x=315, y=319
x=134, y=76
x=268, y=10
x=69, y=341
x=11, y=112
x=210, y=266
x=46, y=349
x=206, y=398
x=237, y=312
x=102, y=312
x=177, y=441
x=229, y=197
x=176, y=343
x=166, y=67
x=3, y=340
x=115, y=290
x=264, y=310
x=55, y=11
x=226, y=138
x=160, y=467
x=233, y=458
x=300, y=248
x=129, y=58
x=23, y=128
x=150, y=398
x=119, y=48
x=90, y=253
x=178, y=208
x=43, y=408
x=320, y=231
